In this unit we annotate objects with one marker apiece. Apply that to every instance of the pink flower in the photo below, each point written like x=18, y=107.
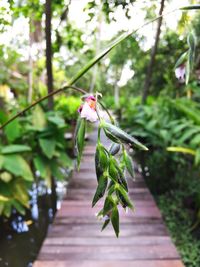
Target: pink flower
x=180, y=73
x=88, y=109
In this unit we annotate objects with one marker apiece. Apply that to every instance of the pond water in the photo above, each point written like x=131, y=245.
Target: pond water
x=21, y=236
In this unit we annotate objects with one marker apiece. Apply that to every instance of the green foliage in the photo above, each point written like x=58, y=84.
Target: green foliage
x=10, y=149
x=173, y=125
x=37, y=146
x=68, y=105
x=48, y=146
x=179, y=219
x=13, y=131
x=17, y=166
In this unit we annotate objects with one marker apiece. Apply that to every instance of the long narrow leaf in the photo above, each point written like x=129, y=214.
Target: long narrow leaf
x=96, y=59
x=115, y=220
x=80, y=139
x=182, y=150
x=181, y=59
x=191, y=7
x=122, y=135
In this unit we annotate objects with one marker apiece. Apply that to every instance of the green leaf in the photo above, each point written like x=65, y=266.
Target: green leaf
x=21, y=193
x=101, y=161
x=115, y=220
x=64, y=160
x=195, y=141
x=111, y=188
x=188, y=134
x=17, y=166
x=191, y=39
x=60, y=122
x=1, y=161
x=123, y=198
x=100, y=191
x=122, y=180
x=116, y=173
x=18, y=207
x=113, y=173
x=48, y=146
x=7, y=210
x=187, y=72
x=182, y=59
x=56, y=171
x=122, y=135
x=105, y=224
x=13, y=131
x=182, y=150
x=191, y=7
x=43, y=166
x=108, y=205
x=6, y=177
x=111, y=136
x=3, y=198
x=129, y=164
x=197, y=157
x=38, y=118
x=80, y=140
x=96, y=59
x=191, y=55
x=15, y=149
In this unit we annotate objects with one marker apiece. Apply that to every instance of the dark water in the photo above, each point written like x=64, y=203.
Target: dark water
x=21, y=236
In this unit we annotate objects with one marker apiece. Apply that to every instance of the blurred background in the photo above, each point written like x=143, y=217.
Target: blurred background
x=42, y=45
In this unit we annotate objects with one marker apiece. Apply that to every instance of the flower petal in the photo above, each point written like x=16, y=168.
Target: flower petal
x=180, y=73
x=88, y=113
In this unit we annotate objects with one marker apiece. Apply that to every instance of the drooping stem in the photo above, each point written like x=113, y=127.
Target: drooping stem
x=80, y=90
x=107, y=111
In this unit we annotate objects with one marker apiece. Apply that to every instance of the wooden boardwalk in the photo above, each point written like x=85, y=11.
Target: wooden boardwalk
x=75, y=239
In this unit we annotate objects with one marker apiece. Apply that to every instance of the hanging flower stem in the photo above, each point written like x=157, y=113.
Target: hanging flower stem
x=80, y=90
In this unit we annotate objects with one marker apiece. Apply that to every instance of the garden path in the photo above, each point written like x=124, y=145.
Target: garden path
x=75, y=239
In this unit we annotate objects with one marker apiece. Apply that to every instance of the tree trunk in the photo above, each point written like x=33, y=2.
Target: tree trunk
x=49, y=52
x=148, y=78
x=48, y=13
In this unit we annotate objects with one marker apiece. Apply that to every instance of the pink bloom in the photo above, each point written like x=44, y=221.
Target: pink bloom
x=180, y=73
x=88, y=109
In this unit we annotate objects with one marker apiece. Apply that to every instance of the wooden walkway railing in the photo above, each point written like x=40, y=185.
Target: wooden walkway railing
x=75, y=239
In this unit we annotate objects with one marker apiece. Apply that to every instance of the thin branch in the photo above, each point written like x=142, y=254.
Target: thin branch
x=107, y=111
x=80, y=90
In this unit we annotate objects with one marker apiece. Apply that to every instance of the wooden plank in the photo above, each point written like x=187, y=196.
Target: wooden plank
x=93, y=220
x=123, y=253
x=93, y=230
x=92, y=183
x=76, y=263
x=149, y=211
x=103, y=241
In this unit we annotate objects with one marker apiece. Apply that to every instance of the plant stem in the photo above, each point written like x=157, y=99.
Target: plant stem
x=80, y=90
x=107, y=111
